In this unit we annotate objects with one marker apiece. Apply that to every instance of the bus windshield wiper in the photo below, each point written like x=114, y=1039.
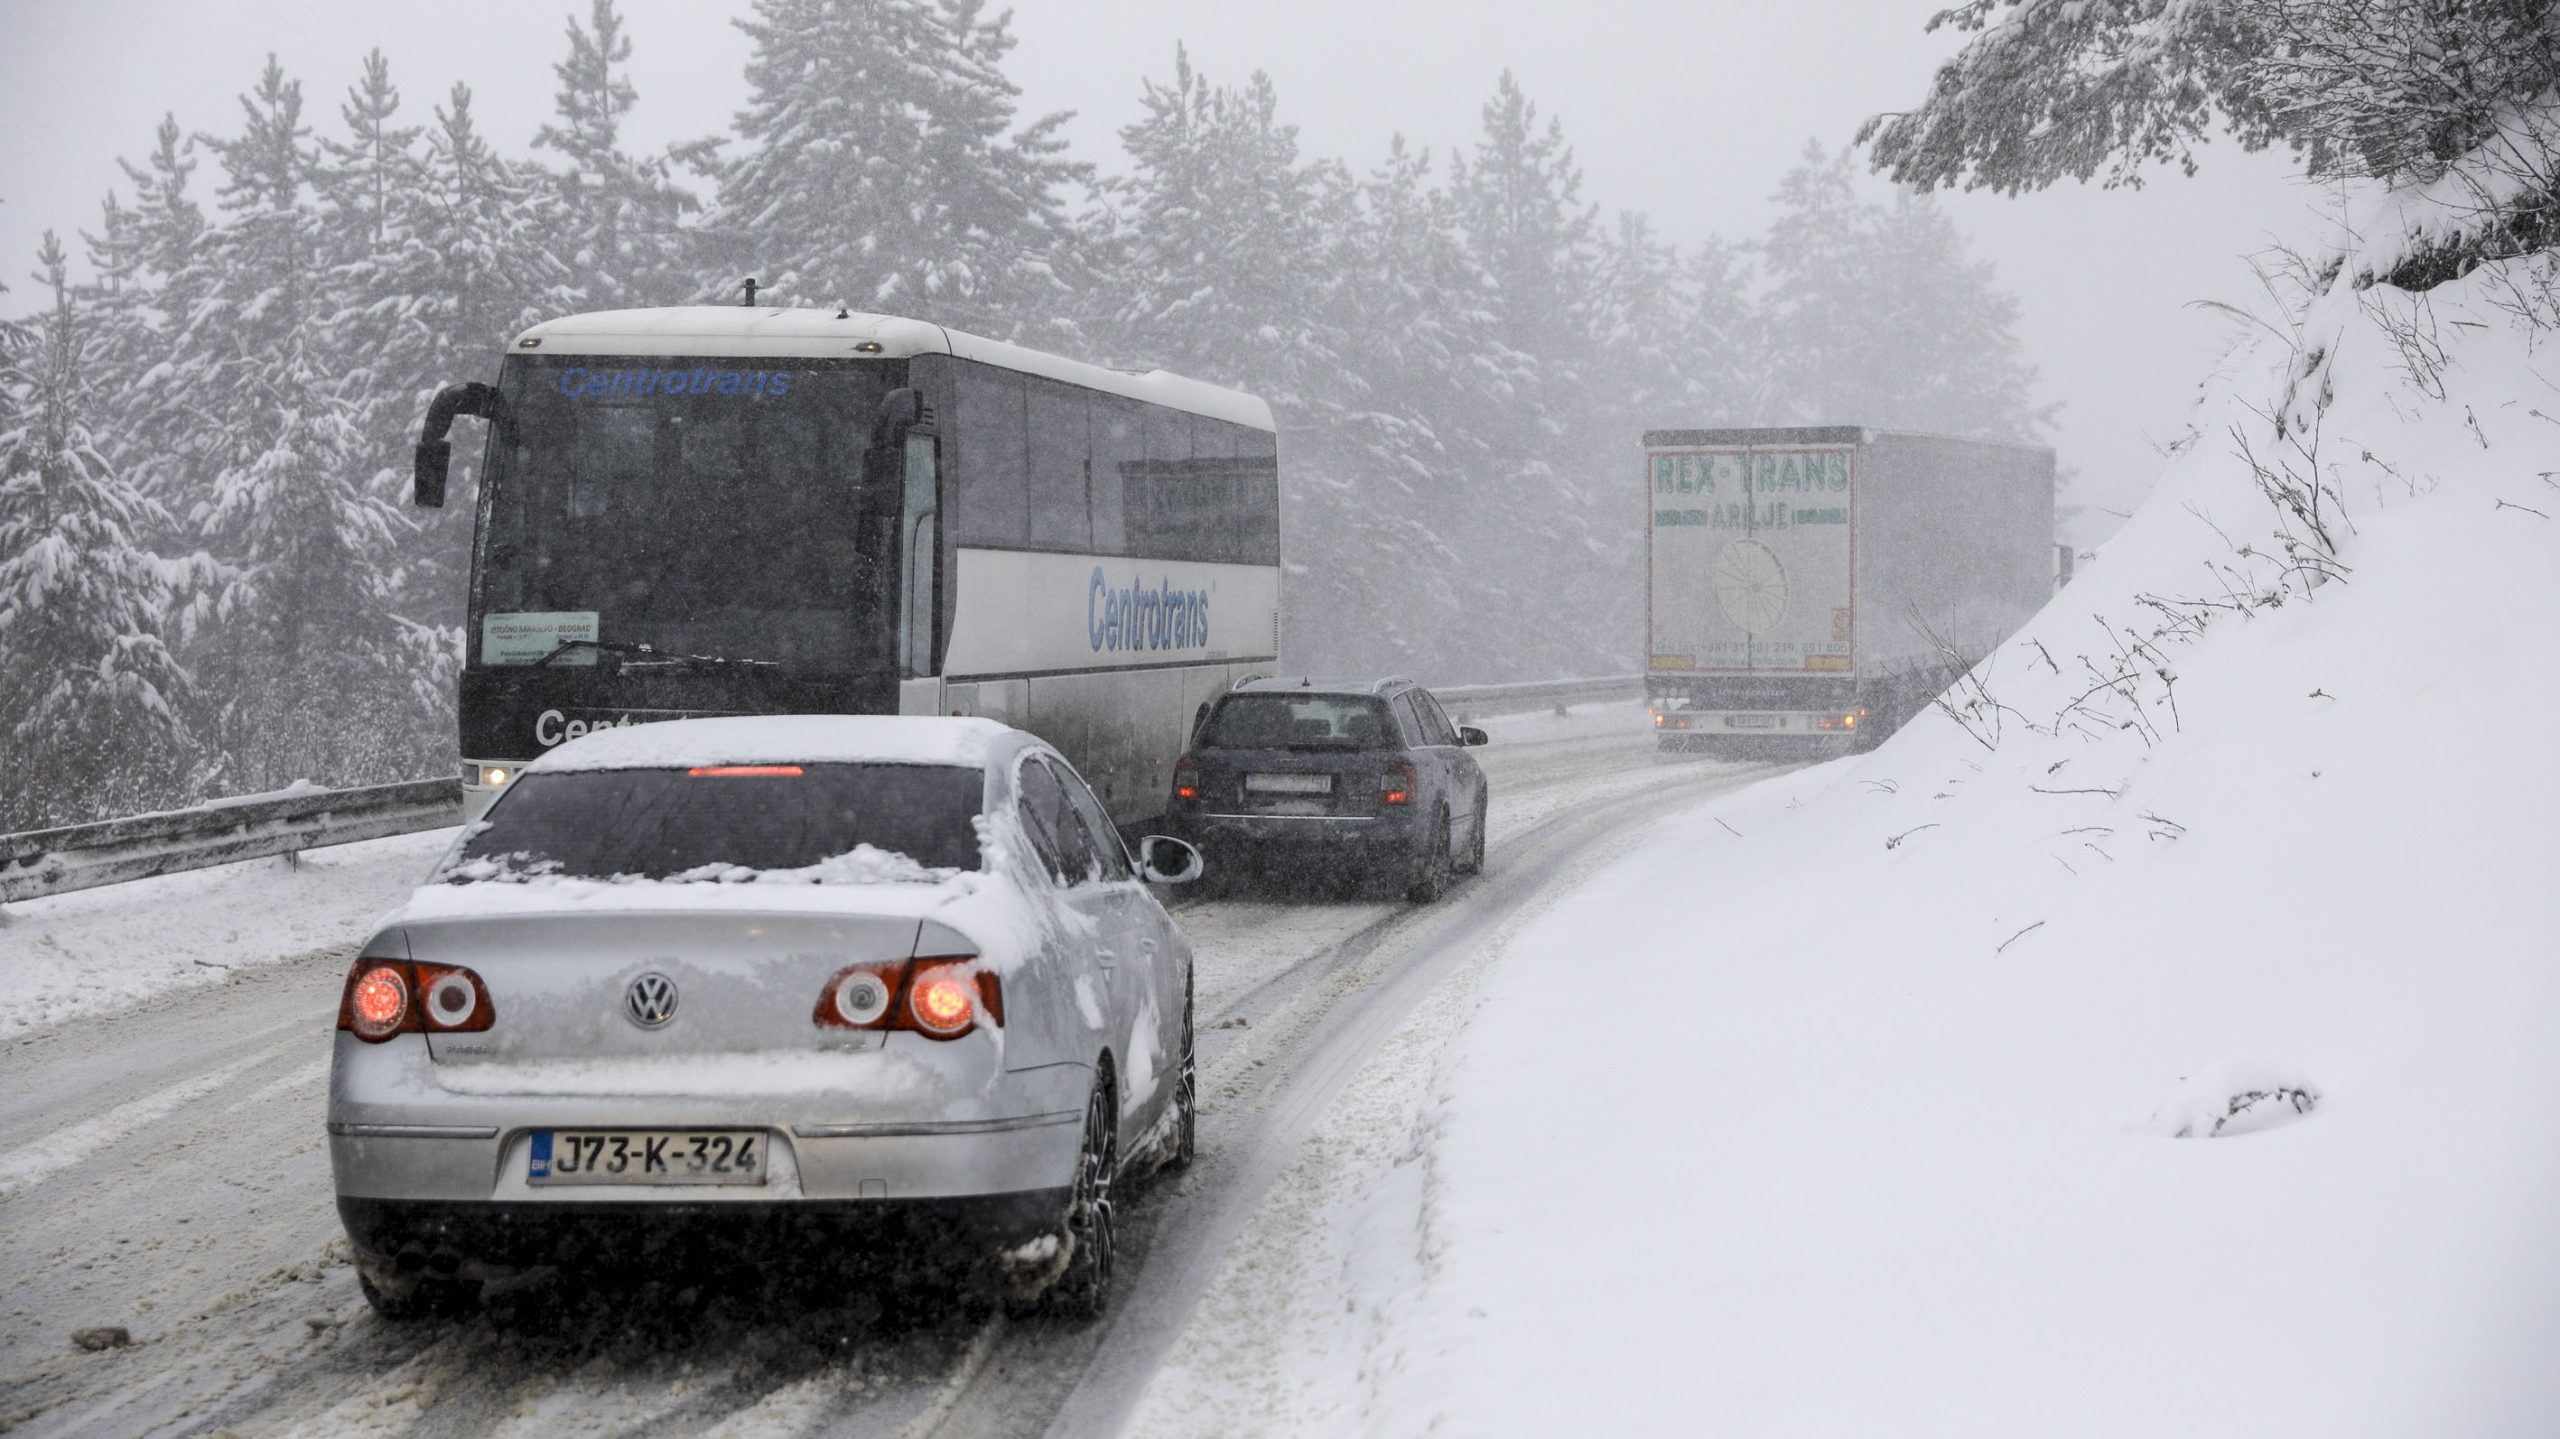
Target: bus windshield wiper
x=643, y=653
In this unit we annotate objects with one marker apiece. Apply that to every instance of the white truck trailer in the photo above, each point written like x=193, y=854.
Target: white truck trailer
x=1829, y=581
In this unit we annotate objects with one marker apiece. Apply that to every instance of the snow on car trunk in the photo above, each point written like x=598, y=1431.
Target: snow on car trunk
x=735, y=982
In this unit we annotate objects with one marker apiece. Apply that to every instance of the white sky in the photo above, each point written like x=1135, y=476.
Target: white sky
x=1688, y=110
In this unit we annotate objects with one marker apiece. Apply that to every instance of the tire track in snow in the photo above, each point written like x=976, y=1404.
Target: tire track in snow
x=31, y=1164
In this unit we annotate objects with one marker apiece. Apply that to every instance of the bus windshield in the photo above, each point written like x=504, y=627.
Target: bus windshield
x=698, y=506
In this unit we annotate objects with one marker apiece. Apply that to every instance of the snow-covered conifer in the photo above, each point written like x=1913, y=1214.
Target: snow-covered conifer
x=621, y=214
x=294, y=641
x=91, y=717
x=883, y=169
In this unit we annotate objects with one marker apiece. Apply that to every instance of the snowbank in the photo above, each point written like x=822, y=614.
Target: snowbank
x=1849, y=1107
x=98, y=949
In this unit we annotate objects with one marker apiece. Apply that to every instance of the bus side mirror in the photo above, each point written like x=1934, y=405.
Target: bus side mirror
x=434, y=457
x=901, y=410
x=435, y=452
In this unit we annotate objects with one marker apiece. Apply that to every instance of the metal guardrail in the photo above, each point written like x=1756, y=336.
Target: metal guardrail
x=1466, y=701
x=83, y=856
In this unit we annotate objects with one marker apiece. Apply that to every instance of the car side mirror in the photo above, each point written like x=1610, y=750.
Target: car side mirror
x=1470, y=736
x=1166, y=860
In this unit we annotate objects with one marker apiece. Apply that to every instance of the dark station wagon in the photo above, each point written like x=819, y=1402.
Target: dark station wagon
x=1365, y=780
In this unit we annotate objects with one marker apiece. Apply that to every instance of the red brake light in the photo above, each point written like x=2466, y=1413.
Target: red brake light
x=940, y=998
x=744, y=771
x=1395, y=782
x=942, y=1004
x=377, y=1004
x=392, y=996
x=1186, y=778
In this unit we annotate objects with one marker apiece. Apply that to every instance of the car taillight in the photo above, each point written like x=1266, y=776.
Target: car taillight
x=1395, y=782
x=1186, y=778
x=385, y=997
x=859, y=998
x=940, y=998
x=941, y=1004
x=377, y=1003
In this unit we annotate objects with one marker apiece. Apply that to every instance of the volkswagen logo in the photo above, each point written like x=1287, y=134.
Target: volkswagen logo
x=650, y=1001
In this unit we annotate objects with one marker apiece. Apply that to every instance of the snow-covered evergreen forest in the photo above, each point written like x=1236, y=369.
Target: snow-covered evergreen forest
x=211, y=582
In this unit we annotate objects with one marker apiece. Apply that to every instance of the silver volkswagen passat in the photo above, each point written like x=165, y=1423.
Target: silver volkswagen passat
x=880, y=990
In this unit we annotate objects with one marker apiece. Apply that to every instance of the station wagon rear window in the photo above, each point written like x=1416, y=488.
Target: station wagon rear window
x=728, y=822
x=1287, y=721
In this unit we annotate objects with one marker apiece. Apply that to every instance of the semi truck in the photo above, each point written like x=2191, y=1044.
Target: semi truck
x=1827, y=582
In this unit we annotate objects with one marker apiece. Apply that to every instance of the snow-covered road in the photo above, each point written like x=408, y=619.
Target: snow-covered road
x=161, y=1165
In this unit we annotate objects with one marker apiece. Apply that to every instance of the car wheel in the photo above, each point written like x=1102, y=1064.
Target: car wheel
x=1084, y=1290
x=1431, y=876
x=406, y=1300
x=1475, y=844
x=1186, y=1097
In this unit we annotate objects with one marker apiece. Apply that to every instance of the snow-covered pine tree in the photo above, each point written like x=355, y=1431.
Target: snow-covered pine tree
x=305, y=669
x=1233, y=261
x=1878, y=317
x=621, y=215
x=145, y=259
x=91, y=717
x=1400, y=455
x=370, y=183
x=1520, y=207
x=1222, y=274
x=883, y=170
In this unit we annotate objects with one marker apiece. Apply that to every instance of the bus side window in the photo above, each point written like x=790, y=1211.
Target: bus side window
x=1118, y=450
x=1173, y=515
x=1217, y=490
x=990, y=490
x=920, y=549
x=1258, y=486
x=1061, y=514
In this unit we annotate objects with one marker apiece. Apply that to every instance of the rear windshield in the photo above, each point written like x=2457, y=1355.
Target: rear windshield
x=1287, y=721
x=818, y=823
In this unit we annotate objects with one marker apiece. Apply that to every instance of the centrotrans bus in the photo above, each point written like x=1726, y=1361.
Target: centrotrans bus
x=730, y=510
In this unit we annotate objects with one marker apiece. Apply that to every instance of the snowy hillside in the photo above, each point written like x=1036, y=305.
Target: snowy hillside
x=1853, y=1105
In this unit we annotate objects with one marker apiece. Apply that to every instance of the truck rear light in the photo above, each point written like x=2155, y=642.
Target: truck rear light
x=941, y=997
x=1186, y=778
x=1396, y=782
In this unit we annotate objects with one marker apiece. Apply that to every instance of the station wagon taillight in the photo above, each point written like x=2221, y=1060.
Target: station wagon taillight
x=385, y=997
x=940, y=997
x=1396, y=782
x=1186, y=778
